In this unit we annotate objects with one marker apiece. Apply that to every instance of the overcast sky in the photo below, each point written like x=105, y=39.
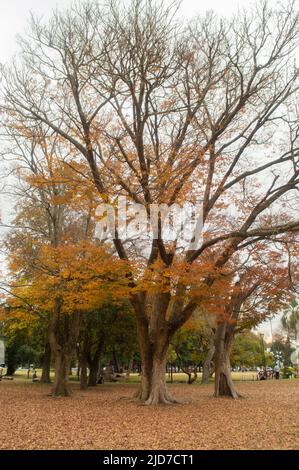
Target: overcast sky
x=14, y=16
x=13, y=21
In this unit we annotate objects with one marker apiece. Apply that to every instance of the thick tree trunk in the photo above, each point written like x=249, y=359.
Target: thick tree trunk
x=153, y=389
x=10, y=370
x=45, y=377
x=158, y=393
x=224, y=385
x=208, y=367
x=145, y=377
x=61, y=382
x=63, y=336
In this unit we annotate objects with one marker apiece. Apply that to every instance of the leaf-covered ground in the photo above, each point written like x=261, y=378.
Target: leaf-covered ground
x=107, y=418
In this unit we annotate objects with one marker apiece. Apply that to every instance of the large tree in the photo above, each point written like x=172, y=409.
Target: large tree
x=165, y=113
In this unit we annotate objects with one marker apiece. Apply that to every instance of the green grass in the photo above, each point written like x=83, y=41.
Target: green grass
x=21, y=375
x=135, y=378
x=182, y=378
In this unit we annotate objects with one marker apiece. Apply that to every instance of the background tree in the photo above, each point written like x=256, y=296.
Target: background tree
x=253, y=295
x=283, y=347
x=49, y=246
x=190, y=345
x=290, y=320
x=109, y=334
x=23, y=345
x=247, y=352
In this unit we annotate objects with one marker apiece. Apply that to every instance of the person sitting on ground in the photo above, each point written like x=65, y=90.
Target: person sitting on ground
x=262, y=375
x=34, y=376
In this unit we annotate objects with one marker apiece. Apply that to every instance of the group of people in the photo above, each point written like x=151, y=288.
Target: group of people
x=265, y=374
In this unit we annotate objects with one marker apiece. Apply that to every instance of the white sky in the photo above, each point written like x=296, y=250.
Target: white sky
x=14, y=15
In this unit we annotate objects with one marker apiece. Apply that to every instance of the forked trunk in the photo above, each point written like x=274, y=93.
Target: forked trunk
x=191, y=373
x=62, y=366
x=208, y=366
x=156, y=325
x=45, y=377
x=224, y=385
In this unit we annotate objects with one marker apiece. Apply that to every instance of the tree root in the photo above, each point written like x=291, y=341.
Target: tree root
x=233, y=395
x=161, y=399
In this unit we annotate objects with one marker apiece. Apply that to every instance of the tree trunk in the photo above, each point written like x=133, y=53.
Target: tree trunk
x=224, y=385
x=10, y=370
x=93, y=372
x=153, y=389
x=130, y=366
x=45, y=377
x=189, y=371
x=94, y=364
x=157, y=321
x=83, y=375
x=61, y=382
x=115, y=362
x=208, y=369
x=158, y=392
x=63, y=336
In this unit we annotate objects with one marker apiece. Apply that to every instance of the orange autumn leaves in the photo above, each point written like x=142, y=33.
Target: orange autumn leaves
x=85, y=276
x=81, y=274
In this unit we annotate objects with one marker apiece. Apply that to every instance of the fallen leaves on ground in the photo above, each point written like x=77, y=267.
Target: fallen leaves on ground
x=105, y=417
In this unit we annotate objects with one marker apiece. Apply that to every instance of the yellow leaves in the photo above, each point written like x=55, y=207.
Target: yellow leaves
x=83, y=275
